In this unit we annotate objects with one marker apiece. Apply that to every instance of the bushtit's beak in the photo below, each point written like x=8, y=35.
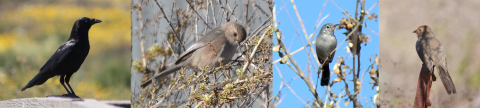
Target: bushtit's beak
x=415, y=31
x=238, y=43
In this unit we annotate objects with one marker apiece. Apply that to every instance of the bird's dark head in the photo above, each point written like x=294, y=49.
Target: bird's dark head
x=329, y=28
x=422, y=31
x=82, y=26
x=85, y=21
x=234, y=32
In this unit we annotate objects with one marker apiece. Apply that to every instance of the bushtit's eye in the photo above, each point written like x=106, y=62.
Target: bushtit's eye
x=235, y=34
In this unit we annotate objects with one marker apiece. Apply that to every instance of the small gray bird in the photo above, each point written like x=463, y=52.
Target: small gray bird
x=324, y=45
x=220, y=43
x=432, y=54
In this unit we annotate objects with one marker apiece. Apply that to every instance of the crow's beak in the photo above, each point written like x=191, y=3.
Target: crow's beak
x=98, y=21
x=415, y=31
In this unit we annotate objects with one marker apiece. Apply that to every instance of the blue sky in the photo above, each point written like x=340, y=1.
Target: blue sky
x=309, y=10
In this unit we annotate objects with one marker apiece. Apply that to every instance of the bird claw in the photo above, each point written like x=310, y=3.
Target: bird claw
x=66, y=96
x=70, y=95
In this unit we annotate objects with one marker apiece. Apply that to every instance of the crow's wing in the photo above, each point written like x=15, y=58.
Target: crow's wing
x=59, y=57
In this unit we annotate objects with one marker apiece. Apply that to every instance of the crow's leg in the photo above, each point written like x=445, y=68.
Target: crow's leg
x=67, y=79
x=62, y=82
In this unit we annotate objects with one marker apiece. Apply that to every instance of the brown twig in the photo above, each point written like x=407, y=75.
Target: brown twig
x=423, y=88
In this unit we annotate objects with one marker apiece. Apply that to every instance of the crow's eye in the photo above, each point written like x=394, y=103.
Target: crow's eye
x=235, y=34
x=86, y=21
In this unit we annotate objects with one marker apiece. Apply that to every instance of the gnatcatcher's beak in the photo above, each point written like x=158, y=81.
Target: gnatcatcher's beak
x=337, y=26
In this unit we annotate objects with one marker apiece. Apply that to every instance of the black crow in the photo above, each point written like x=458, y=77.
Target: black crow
x=68, y=58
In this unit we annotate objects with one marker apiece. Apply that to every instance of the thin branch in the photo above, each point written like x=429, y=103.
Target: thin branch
x=173, y=29
x=189, y=4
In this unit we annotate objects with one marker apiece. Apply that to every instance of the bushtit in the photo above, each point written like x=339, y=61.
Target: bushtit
x=220, y=43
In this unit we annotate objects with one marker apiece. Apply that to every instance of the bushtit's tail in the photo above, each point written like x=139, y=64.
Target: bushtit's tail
x=446, y=80
x=325, y=75
x=162, y=74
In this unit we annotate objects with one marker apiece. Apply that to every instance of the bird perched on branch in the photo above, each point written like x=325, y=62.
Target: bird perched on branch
x=324, y=45
x=68, y=58
x=220, y=43
x=432, y=54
